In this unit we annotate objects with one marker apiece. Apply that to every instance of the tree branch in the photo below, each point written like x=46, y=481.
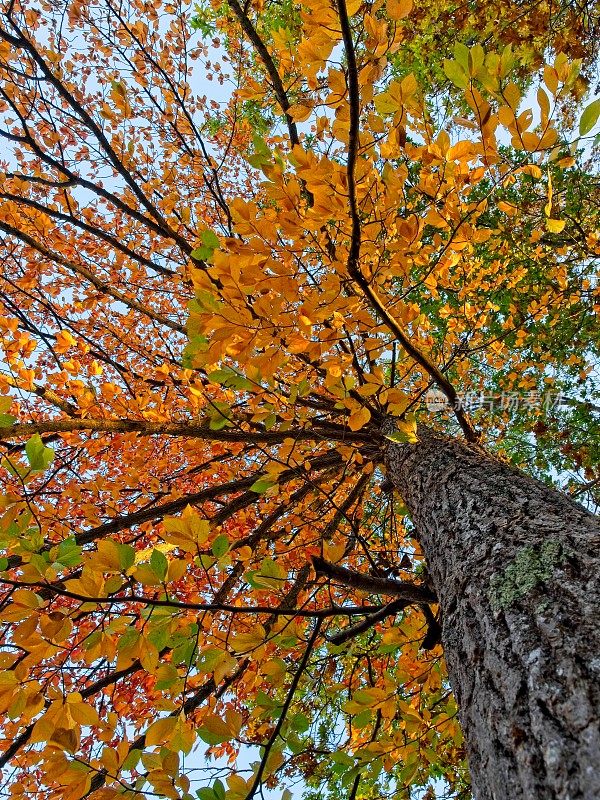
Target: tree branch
x=288, y=701
x=269, y=65
x=101, y=285
x=372, y=619
x=411, y=592
x=353, y=264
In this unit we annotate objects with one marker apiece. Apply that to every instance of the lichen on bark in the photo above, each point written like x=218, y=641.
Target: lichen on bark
x=530, y=567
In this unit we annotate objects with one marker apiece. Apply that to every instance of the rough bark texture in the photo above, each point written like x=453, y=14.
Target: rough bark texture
x=516, y=568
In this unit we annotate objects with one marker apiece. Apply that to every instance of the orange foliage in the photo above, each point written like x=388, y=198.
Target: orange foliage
x=203, y=332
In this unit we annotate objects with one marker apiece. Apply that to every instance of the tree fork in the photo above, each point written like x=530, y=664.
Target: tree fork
x=515, y=566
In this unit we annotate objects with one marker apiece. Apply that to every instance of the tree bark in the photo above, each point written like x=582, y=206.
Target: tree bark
x=516, y=566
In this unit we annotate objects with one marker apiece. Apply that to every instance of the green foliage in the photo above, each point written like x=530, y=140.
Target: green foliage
x=38, y=455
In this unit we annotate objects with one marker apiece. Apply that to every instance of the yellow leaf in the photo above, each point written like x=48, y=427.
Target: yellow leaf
x=507, y=208
x=359, y=418
x=548, y=139
x=369, y=697
x=160, y=731
x=397, y=401
x=238, y=787
x=55, y=626
x=274, y=760
x=145, y=575
x=225, y=667
x=275, y=670
x=215, y=730
x=300, y=112
x=84, y=714
x=187, y=531
x=24, y=597
x=183, y=736
x=270, y=575
x=144, y=555
x=353, y=6
x=107, y=794
x=368, y=389
x=530, y=141
x=461, y=151
x=64, y=340
x=435, y=218
x=555, y=225
x=406, y=430
x=398, y=9
x=551, y=78
x=176, y=569
x=333, y=552
x=107, y=558
x=531, y=169
x=65, y=738
x=244, y=642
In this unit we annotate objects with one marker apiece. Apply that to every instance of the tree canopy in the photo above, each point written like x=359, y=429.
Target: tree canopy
x=216, y=314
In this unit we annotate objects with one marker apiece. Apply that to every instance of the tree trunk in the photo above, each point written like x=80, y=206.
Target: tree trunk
x=516, y=566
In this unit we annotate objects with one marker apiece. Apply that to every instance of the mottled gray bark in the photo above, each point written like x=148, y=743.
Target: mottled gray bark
x=516, y=568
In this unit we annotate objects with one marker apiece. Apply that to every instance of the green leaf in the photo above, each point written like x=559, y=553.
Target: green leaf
x=456, y=73
x=218, y=424
x=159, y=636
x=213, y=737
x=91, y=640
x=184, y=653
x=295, y=743
x=3, y=564
x=196, y=345
x=406, y=430
x=205, y=301
x=386, y=103
x=38, y=455
x=210, y=239
x=68, y=553
x=270, y=575
x=397, y=436
x=229, y=377
x=261, y=485
x=209, y=659
x=261, y=155
x=202, y=253
x=159, y=564
x=126, y=556
x=131, y=760
x=507, y=61
x=461, y=54
x=210, y=242
x=300, y=722
x=128, y=639
x=219, y=790
x=589, y=117
x=220, y=546
x=260, y=145
x=362, y=719
x=350, y=775
x=6, y=420
x=219, y=416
